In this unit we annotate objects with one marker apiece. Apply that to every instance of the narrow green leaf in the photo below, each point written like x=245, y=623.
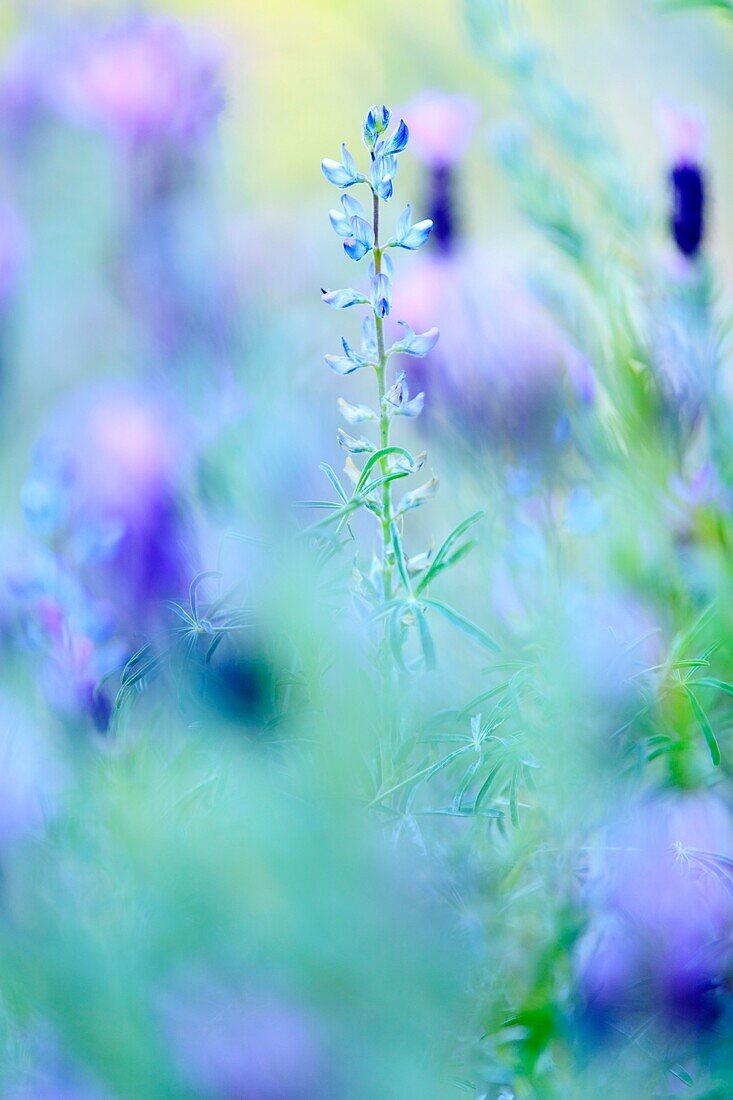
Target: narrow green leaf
x=372, y=461
x=720, y=685
x=330, y=474
x=400, y=559
x=462, y=623
x=383, y=479
x=486, y=786
x=513, y=809
x=704, y=724
x=426, y=638
x=437, y=563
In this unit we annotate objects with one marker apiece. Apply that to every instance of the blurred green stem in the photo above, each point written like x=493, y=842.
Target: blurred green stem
x=381, y=372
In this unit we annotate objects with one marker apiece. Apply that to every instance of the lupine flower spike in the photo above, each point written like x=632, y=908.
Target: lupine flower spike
x=397, y=600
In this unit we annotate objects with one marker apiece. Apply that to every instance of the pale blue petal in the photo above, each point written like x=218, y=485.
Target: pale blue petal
x=369, y=337
x=340, y=223
x=342, y=299
x=336, y=174
x=352, y=207
x=354, y=446
x=398, y=140
x=417, y=235
x=340, y=365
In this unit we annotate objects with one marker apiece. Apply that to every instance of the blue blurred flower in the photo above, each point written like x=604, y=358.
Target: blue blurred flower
x=683, y=132
x=144, y=80
x=28, y=779
x=661, y=913
x=441, y=127
x=228, y=1045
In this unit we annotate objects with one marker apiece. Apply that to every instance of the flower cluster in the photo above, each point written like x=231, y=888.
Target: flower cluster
x=361, y=235
x=361, y=238
x=101, y=504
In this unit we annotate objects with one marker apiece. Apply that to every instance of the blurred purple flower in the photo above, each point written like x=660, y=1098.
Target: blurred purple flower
x=504, y=371
x=27, y=778
x=111, y=473
x=684, y=135
x=441, y=127
x=53, y=1077
x=229, y=1046
x=660, y=935
x=157, y=92
x=12, y=250
x=144, y=80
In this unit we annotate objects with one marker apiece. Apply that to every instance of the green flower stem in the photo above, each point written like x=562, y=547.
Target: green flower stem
x=384, y=422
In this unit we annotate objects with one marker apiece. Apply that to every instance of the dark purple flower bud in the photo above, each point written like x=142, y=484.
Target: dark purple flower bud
x=441, y=207
x=687, y=220
x=683, y=133
x=441, y=128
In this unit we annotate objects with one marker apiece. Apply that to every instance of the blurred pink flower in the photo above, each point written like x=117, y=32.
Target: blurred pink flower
x=683, y=132
x=502, y=362
x=441, y=126
x=144, y=80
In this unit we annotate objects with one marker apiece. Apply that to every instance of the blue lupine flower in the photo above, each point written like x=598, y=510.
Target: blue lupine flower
x=375, y=123
x=343, y=173
x=418, y=344
x=397, y=142
x=343, y=299
x=410, y=236
x=349, y=362
x=384, y=170
x=353, y=445
x=381, y=295
x=361, y=239
x=355, y=414
x=341, y=223
x=398, y=398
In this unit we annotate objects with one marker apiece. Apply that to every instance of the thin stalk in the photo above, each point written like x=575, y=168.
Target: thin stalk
x=384, y=422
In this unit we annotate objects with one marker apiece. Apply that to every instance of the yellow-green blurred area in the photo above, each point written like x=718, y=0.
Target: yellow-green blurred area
x=300, y=75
